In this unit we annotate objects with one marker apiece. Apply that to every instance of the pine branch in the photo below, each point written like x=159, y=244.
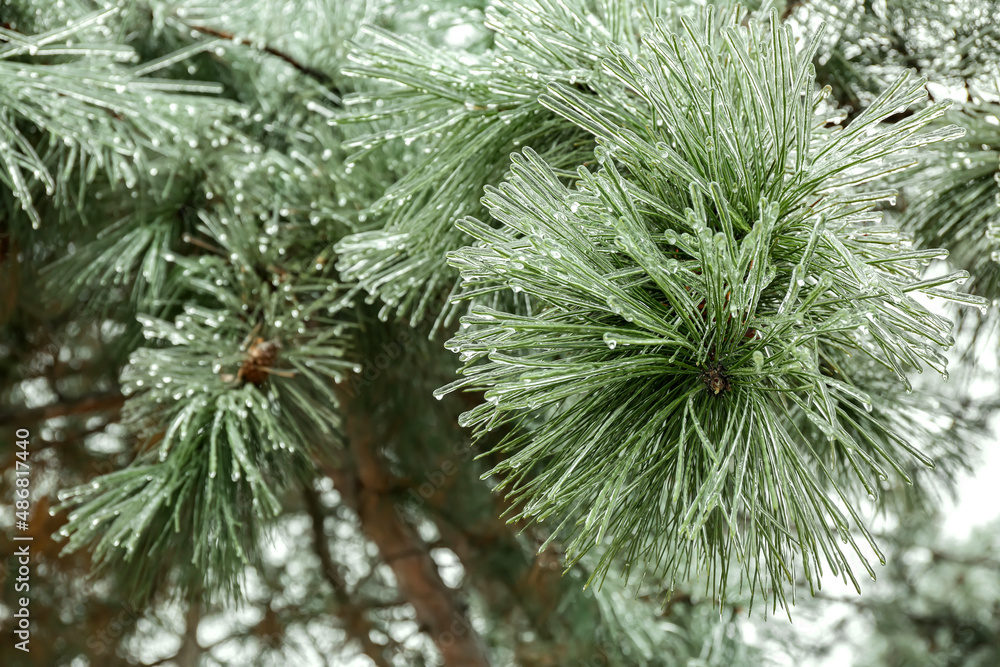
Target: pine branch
x=689, y=324
x=954, y=200
x=367, y=487
x=63, y=118
x=356, y=623
x=311, y=72
x=531, y=583
x=466, y=119
x=228, y=404
x=979, y=561
x=699, y=303
x=790, y=7
x=190, y=650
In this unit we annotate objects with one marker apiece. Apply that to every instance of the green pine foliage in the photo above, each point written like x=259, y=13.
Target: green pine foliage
x=703, y=299
x=674, y=271
x=220, y=425
x=464, y=114
x=960, y=201
x=951, y=200
x=935, y=603
x=76, y=108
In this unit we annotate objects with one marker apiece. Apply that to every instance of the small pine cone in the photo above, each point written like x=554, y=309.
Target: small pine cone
x=261, y=357
x=716, y=379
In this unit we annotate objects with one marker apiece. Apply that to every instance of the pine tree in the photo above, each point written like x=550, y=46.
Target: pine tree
x=529, y=332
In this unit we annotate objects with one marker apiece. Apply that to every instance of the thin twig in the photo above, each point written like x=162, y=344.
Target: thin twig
x=356, y=622
x=790, y=8
x=367, y=488
x=85, y=405
x=311, y=72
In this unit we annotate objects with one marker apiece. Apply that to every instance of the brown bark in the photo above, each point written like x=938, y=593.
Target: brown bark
x=367, y=487
x=356, y=623
x=10, y=277
x=190, y=650
x=790, y=8
x=311, y=72
x=87, y=404
x=532, y=584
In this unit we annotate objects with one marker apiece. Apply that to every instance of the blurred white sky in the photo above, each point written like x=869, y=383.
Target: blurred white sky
x=978, y=502
x=979, y=493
